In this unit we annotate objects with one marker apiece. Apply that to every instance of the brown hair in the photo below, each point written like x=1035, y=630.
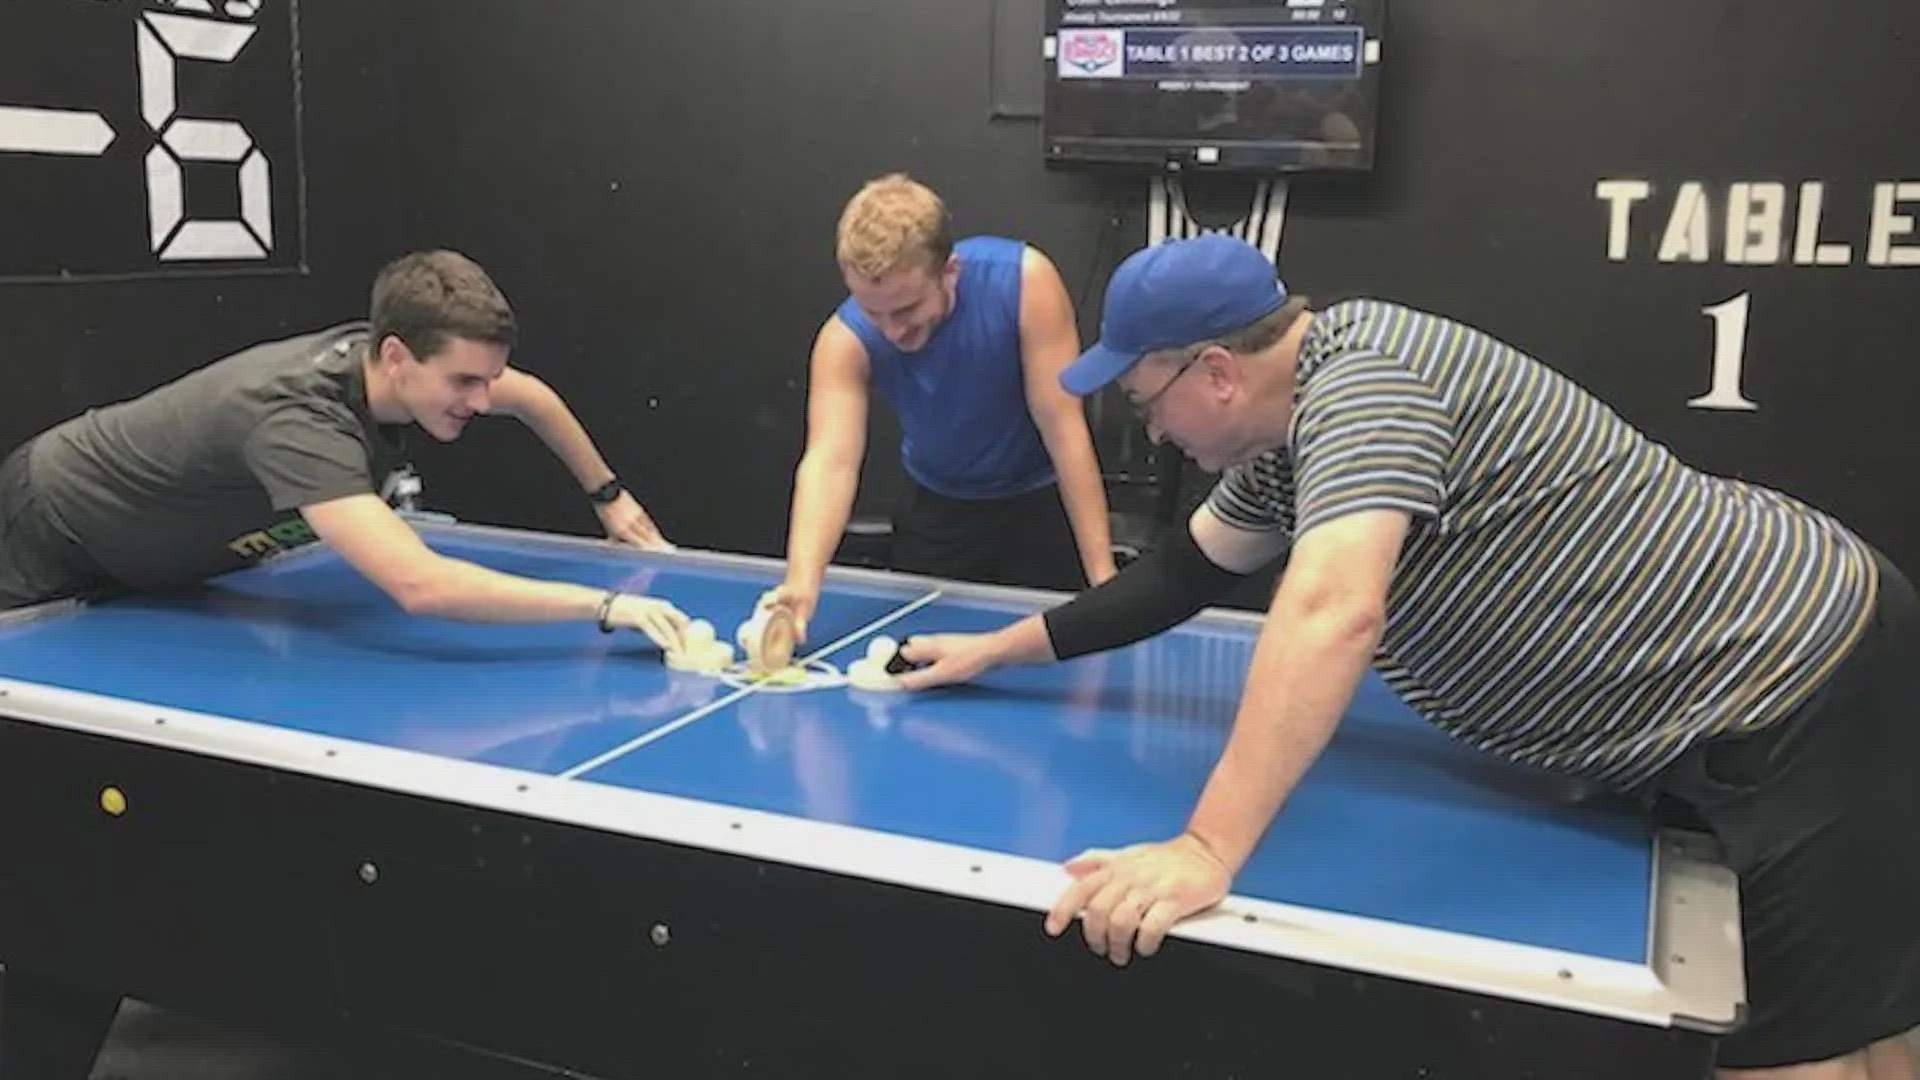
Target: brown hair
x=426, y=297
x=893, y=223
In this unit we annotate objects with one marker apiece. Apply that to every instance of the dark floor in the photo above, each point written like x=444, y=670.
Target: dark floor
x=150, y=1044
x=147, y=1044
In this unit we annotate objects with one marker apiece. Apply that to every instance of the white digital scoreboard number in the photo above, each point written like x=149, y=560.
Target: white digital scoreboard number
x=148, y=137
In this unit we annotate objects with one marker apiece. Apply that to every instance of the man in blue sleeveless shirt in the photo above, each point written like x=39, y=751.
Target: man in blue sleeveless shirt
x=966, y=342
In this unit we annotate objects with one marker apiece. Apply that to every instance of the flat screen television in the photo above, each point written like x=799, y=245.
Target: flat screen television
x=1258, y=85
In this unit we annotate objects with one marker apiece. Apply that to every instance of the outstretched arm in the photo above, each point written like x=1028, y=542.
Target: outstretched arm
x=1320, y=635
x=535, y=404
x=1050, y=341
x=828, y=476
x=1319, y=638
x=1159, y=591
x=375, y=541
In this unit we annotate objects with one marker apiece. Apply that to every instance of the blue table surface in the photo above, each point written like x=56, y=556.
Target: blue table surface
x=1394, y=821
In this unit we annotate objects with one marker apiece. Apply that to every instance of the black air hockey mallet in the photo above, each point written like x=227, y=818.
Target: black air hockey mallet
x=898, y=662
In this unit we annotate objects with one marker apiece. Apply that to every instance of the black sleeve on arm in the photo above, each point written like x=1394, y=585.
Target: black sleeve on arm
x=1164, y=588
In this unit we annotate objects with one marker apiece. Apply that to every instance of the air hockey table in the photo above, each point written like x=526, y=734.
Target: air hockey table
x=279, y=801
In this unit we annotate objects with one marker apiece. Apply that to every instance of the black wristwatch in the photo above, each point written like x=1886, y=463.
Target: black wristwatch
x=606, y=492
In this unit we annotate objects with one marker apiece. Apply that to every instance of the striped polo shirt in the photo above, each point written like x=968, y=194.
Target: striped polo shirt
x=1570, y=596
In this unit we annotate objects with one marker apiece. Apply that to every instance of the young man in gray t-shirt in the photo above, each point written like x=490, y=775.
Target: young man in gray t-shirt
x=299, y=440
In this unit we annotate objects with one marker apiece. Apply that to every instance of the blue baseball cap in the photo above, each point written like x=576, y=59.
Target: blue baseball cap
x=1175, y=293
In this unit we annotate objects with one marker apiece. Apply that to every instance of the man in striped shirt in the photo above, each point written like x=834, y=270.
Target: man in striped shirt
x=1535, y=577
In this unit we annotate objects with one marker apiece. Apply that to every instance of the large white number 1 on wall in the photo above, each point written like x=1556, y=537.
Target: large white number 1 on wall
x=163, y=39
x=1729, y=355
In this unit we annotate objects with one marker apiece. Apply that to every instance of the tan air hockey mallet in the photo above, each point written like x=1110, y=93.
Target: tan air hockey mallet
x=769, y=639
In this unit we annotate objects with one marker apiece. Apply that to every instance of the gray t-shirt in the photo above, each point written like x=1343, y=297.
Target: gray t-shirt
x=208, y=473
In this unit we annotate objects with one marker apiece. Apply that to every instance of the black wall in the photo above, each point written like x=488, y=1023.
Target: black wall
x=656, y=189
x=67, y=345
x=658, y=196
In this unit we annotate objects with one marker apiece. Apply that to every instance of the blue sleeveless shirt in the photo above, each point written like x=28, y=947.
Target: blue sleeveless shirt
x=965, y=431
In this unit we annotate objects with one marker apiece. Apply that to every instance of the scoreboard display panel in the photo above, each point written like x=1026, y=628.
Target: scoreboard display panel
x=144, y=138
x=1270, y=85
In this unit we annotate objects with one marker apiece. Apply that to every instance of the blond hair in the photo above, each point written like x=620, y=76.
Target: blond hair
x=893, y=223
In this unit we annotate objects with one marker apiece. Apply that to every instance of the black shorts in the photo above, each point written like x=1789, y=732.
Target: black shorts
x=38, y=562
x=1819, y=815
x=1023, y=540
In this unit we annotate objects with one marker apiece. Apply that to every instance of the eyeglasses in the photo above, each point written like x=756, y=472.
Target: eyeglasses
x=1144, y=406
